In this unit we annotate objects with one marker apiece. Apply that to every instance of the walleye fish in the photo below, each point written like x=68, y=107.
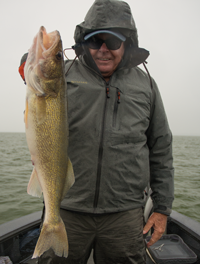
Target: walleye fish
x=47, y=136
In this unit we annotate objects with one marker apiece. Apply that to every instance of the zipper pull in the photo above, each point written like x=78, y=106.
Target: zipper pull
x=107, y=92
x=118, y=96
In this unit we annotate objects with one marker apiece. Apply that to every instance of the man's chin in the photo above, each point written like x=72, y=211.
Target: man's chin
x=105, y=72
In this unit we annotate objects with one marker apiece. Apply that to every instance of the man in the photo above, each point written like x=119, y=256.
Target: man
x=119, y=141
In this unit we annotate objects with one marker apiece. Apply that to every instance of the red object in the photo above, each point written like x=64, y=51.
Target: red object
x=21, y=70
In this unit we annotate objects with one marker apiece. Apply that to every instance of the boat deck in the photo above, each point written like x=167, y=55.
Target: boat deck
x=18, y=238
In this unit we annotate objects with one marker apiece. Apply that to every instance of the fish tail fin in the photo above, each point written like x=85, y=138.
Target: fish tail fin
x=52, y=236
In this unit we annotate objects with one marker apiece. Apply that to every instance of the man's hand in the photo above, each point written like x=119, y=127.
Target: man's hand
x=158, y=222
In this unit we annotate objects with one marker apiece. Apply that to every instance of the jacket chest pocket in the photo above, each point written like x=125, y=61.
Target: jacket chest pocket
x=130, y=112
x=116, y=106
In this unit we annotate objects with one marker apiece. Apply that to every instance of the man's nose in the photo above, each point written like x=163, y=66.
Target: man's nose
x=103, y=48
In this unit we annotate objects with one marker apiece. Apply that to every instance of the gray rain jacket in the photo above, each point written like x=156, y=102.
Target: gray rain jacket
x=119, y=137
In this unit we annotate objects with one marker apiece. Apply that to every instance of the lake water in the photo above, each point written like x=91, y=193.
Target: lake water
x=16, y=167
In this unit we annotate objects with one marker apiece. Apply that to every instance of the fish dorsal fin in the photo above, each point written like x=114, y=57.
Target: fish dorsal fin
x=34, y=187
x=69, y=178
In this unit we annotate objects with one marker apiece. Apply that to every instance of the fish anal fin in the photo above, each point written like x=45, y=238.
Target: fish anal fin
x=34, y=187
x=54, y=237
x=41, y=109
x=69, y=179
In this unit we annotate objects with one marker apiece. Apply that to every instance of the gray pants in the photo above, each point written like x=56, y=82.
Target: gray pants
x=115, y=238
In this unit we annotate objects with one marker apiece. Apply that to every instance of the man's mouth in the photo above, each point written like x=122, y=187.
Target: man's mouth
x=103, y=59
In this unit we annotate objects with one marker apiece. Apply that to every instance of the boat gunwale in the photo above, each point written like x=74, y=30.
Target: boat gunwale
x=18, y=225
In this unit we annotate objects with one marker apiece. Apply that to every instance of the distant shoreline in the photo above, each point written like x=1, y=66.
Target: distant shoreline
x=174, y=135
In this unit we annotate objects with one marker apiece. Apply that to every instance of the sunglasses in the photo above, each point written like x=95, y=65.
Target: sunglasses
x=111, y=43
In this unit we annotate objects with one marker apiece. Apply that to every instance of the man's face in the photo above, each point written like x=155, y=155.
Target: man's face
x=106, y=59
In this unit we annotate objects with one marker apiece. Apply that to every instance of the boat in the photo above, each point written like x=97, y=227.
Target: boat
x=18, y=239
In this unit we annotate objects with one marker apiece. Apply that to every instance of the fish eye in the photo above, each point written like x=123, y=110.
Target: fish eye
x=59, y=55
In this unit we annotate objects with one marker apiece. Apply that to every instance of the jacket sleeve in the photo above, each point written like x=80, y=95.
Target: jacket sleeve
x=159, y=140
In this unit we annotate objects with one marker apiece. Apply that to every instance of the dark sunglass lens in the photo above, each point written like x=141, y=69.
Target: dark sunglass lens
x=94, y=43
x=113, y=43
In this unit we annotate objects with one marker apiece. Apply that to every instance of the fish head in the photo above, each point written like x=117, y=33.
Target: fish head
x=45, y=63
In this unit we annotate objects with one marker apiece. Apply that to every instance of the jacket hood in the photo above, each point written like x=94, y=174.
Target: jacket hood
x=114, y=15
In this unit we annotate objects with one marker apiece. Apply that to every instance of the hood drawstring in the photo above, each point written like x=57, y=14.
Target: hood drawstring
x=118, y=94
x=68, y=58
x=71, y=65
x=150, y=79
x=107, y=92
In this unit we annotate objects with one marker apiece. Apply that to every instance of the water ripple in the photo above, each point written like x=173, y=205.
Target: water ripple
x=16, y=168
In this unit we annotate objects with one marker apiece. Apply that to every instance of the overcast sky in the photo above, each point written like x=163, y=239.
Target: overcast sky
x=169, y=29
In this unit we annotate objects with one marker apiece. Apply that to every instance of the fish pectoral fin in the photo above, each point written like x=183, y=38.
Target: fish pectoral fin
x=34, y=187
x=41, y=109
x=69, y=178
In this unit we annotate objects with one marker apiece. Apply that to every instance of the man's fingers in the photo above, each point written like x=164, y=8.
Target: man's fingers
x=158, y=222
x=151, y=242
x=154, y=238
x=148, y=225
x=147, y=228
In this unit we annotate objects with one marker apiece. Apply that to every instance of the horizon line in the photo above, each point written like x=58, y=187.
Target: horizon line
x=180, y=135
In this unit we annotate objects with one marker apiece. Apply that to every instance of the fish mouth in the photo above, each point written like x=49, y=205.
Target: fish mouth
x=41, y=51
x=47, y=41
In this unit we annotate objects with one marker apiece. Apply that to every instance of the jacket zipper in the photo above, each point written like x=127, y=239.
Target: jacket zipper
x=117, y=102
x=100, y=155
